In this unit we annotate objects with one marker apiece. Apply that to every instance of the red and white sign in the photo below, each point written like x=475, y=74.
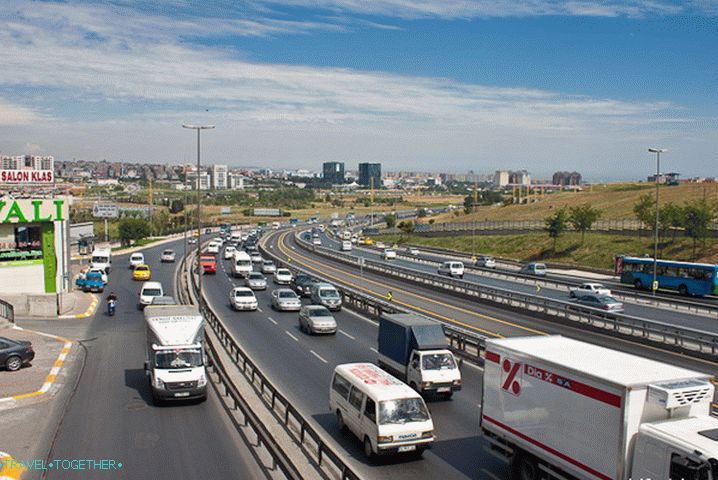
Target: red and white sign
x=511, y=376
x=25, y=177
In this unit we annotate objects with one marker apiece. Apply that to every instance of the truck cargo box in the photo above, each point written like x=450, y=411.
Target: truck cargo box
x=400, y=333
x=579, y=406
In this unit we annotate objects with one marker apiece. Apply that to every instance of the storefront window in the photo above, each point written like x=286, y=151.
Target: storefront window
x=20, y=243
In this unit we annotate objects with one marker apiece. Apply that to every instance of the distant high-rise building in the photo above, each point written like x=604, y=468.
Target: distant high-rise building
x=333, y=172
x=236, y=181
x=566, y=178
x=370, y=174
x=501, y=178
x=520, y=177
x=219, y=177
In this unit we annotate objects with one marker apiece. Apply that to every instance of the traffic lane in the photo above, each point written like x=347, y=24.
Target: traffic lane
x=266, y=333
x=485, y=317
x=642, y=311
x=111, y=417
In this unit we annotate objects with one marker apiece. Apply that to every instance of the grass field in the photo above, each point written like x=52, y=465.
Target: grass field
x=616, y=201
x=597, y=251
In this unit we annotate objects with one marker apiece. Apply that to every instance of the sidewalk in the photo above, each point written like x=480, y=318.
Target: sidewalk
x=33, y=381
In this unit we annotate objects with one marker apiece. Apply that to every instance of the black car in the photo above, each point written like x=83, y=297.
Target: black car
x=302, y=284
x=15, y=353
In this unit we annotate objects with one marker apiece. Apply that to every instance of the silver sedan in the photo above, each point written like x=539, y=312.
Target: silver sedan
x=317, y=319
x=286, y=300
x=256, y=281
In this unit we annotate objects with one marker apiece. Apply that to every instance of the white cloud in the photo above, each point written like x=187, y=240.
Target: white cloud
x=124, y=81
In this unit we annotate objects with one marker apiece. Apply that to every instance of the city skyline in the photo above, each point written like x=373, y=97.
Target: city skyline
x=481, y=86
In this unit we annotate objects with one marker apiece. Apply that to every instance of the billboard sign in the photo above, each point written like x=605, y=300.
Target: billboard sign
x=267, y=212
x=27, y=177
x=105, y=210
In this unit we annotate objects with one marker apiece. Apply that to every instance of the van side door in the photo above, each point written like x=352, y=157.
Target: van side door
x=353, y=420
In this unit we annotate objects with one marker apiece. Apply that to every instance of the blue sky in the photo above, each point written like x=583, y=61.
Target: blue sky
x=432, y=85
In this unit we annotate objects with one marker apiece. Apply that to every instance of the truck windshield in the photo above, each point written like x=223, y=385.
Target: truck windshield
x=437, y=361
x=402, y=411
x=244, y=263
x=100, y=259
x=178, y=359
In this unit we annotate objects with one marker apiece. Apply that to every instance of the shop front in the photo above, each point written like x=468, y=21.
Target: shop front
x=34, y=252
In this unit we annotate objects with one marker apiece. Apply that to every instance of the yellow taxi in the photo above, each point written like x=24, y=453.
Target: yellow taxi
x=141, y=272
x=368, y=241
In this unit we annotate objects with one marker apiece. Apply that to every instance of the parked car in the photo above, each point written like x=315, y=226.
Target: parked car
x=595, y=289
x=389, y=254
x=317, y=319
x=137, y=259
x=268, y=266
x=603, y=302
x=168, y=256
x=302, y=284
x=242, y=298
x=91, y=282
x=283, y=276
x=286, y=300
x=452, y=269
x=97, y=270
x=141, y=273
x=256, y=281
x=229, y=252
x=15, y=353
x=485, y=261
x=537, y=269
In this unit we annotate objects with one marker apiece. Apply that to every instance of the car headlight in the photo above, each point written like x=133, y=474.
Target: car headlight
x=384, y=439
x=159, y=383
x=457, y=381
x=202, y=381
x=425, y=384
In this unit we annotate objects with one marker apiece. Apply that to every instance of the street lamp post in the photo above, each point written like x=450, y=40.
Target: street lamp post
x=658, y=152
x=199, y=128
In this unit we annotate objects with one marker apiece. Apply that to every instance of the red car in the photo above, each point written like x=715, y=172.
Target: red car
x=209, y=263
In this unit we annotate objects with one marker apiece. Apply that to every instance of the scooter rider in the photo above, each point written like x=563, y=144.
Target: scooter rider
x=111, y=302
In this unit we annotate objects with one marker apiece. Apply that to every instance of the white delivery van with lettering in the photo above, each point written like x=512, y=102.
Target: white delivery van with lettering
x=101, y=259
x=384, y=413
x=175, y=353
x=563, y=409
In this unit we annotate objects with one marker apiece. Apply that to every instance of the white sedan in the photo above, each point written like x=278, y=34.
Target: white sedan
x=283, y=276
x=389, y=254
x=229, y=252
x=243, y=298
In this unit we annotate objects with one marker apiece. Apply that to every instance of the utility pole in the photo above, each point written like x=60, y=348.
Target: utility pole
x=658, y=152
x=152, y=212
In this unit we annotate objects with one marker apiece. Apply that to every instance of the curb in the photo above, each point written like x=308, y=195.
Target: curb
x=10, y=469
x=88, y=313
x=51, y=377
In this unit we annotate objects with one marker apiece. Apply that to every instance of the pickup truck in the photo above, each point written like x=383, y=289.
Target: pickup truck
x=594, y=289
x=208, y=263
x=91, y=282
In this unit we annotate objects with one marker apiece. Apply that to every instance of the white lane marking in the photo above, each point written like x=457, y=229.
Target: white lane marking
x=295, y=338
x=259, y=309
x=373, y=349
x=317, y=355
x=489, y=474
x=346, y=334
x=272, y=320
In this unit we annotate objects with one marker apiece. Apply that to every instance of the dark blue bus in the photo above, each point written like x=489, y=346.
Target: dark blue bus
x=688, y=278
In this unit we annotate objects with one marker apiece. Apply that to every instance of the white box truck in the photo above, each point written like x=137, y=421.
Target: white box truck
x=241, y=264
x=415, y=349
x=565, y=409
x=175, y=353
x=101, y=259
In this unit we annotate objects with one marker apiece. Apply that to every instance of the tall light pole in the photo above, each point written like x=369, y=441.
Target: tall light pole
x=658, y=152
x=199, y=128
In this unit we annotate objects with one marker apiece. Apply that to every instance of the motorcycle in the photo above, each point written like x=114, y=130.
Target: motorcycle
x=111, y=306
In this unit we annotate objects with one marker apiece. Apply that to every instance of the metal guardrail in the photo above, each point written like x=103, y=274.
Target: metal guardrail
x=319, y=452
x=278, y=456
x=7, y=311
x=704, y=344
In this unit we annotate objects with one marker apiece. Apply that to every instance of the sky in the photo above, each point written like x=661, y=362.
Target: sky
x=428, y=85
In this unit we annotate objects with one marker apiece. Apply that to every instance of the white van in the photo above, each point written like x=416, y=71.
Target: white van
x=137, y=259
x=452, y=269
x=149, y=291
x=213, y=247
x=241, y=264
x=387, y=415
x=235, y=238
x=101, y=259
x=346, y=246
x=275, y=225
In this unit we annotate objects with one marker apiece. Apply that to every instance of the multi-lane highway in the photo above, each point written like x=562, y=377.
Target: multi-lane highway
x=631, y=308
x=301, y=366
x=111, y=415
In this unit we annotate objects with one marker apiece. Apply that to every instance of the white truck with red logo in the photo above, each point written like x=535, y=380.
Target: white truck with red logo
x=559, y=408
